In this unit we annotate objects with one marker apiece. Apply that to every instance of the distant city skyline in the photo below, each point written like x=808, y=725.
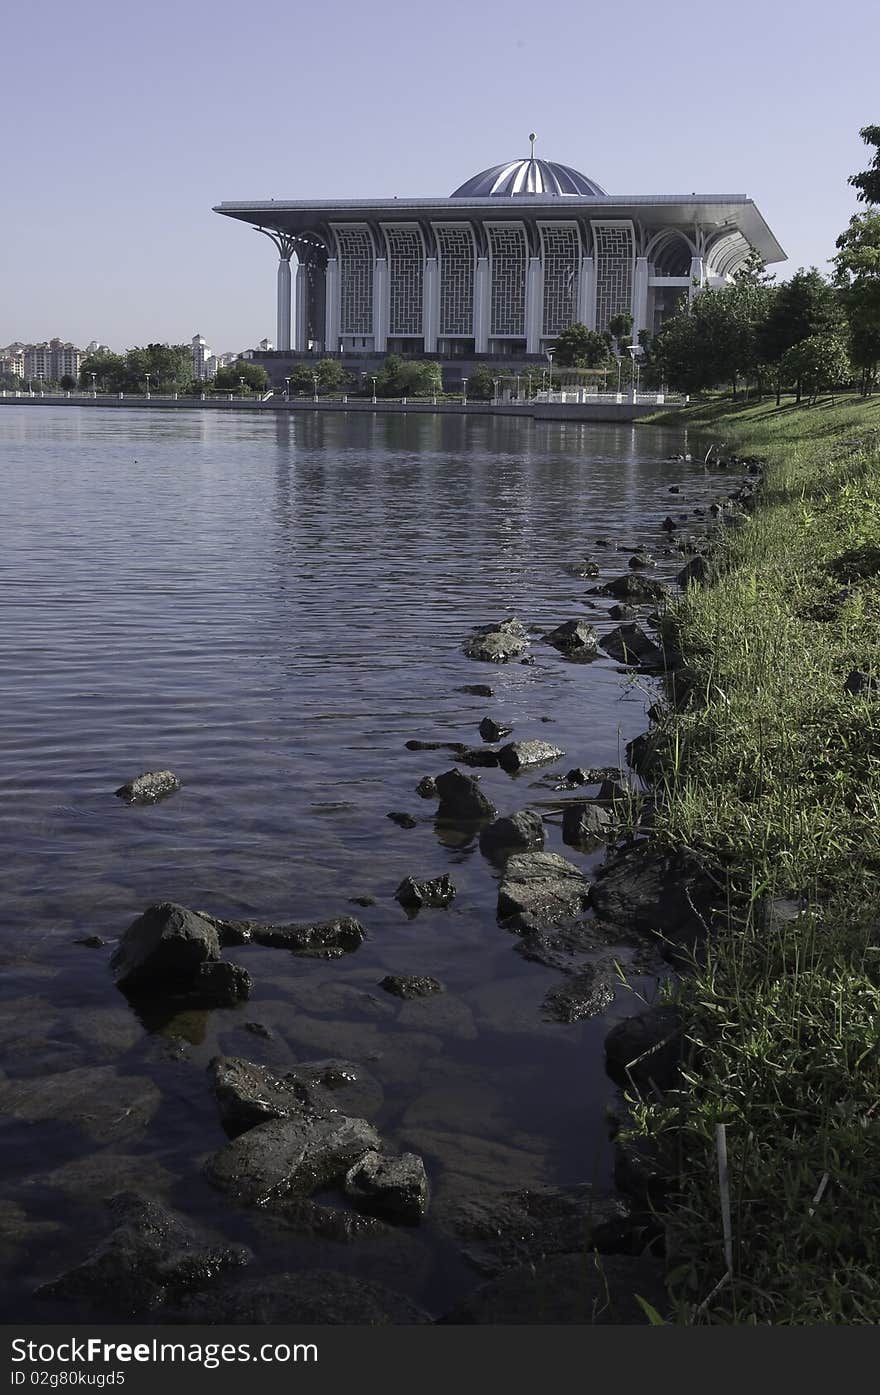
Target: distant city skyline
x=108, y=228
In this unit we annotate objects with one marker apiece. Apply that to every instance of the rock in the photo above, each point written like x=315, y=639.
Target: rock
x=542, y=886
x=497, y=644
x=362, y=900
x=490, y=730
x=477, y=689
x=410, y=986
x=632, y=588
x=669, y=524
x=585, y=823
x=641, y=559
x=859, y=683
x=324, y=939
x=151, y=1257
x=524, y=1226
x=652, y=891
x=147, y=788
x=638, y=1172
x=566, y=1289
x=91, y=942
x=249, y=1095
x=574, y=637
x=220, y=985
x=96, y=1099
x=696, y=572
x=257, y=1029
x=394, y=1188
x=622, y=612
x=523, y=830
x=461, y=798
x=164, y=948
x=614, y=792
x=478, y=755
x=290, y=1157
x=403, y=820
x=427, y=787
x=586, y=994
x=564, y=947
x=646, y=1049
x=414, y=894
x=317, y=1297
x=586, y=568
x=517, y=755
x=529, y=660
x=629, y=644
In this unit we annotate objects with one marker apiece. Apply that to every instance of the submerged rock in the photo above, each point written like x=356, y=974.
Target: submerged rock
x=147, y=788
x=519, y=754
x=632, y=587
x=413, y=894
x=652, y=891
x=585, y=994
x=325, y=939
x=461, y=798
x=574, y=637
x=403, y=820
x=523, y=830
x=164, y=948
x=219, y=985
x=498, y=643
x=477, y=689
x=393, y=1188
x=292, y=1156
x=318, y=1297
x=646, y=1049
x=542, y=886
x=410, y=986
x=566, y=1289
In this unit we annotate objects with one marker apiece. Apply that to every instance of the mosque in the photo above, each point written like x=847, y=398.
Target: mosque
x=496, y=270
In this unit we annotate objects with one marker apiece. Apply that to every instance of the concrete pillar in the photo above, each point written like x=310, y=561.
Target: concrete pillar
x=331, y=302
x=482, y=305
x=301, y=310
x=282, y=334
x=431, y=305
x=698, y=277
x=640, y=297
x=534, y=305
x=586, y=294
x=381, y=304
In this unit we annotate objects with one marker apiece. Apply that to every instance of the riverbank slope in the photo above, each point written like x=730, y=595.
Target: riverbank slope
x=770, y=774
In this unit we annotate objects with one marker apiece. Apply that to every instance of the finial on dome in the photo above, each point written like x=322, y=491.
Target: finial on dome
x=532, y=138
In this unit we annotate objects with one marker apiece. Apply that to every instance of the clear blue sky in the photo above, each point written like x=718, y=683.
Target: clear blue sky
x=125, y=124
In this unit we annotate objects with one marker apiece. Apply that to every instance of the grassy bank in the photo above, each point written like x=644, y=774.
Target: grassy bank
x=771, y=775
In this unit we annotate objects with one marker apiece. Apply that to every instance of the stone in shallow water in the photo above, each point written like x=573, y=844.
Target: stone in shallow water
x=586, y=994
x=323, y=939
x=293, y=1156
x=497, y=643
x=490, y=730
x=629, y=644
x=573, y=637
x=249, y=1094
x=544, y=887
x=461, y=798
x=393, y=1188
x=517, y=755
x=522, y=830
x=410, y=986
x=147, y=788
x=164, y=948
x=106, y=1106
x=414, y=894
x=585, y=823
x=567, y=1289
x=320, y=1297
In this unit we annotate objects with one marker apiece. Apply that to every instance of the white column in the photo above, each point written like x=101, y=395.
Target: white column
x=698, y=277
x=331, y=302
x=282, y=329
x=640, y=298
x=586, y=294
x=482, y=305
x=301, y=308
x=381, y=295
x=534, y=305
x=431, y=305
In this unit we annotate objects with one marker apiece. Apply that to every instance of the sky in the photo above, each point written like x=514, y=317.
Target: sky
x=125, y=124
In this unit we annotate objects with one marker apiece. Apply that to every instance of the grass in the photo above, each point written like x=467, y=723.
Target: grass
x=770, y=774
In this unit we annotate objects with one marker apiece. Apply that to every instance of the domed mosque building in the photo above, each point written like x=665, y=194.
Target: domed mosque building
x=498, y=269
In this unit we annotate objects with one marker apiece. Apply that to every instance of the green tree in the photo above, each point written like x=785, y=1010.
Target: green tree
x=857, y=275
x=868, y=182
x=797, y=309
x=579, y=347
x=817, y=362
x=331, y=375
x=228, y=379
x=168, y=365
x=109, y=370
x=715, y=339
x=620, y=328
x=67, y=383
x=481, y=383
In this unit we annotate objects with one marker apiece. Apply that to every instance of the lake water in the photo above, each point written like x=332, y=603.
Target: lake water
x=271, y=607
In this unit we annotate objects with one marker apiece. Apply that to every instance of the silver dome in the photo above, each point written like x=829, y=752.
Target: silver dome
x=529, y=176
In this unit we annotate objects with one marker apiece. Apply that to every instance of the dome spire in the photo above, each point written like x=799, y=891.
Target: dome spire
x=532, y=138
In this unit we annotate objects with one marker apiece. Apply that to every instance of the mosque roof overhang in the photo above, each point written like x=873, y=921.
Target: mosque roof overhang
x=711, y=211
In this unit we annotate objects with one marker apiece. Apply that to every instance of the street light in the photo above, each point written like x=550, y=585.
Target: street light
x=529, y=388
x=93, y=377
x=550, y=353
x=619, y=358
x=635, y=351
x=287, y=389
x=464, y=383
x=315, y=387
x=517, y=387
x=148, y=376
x=495, y=382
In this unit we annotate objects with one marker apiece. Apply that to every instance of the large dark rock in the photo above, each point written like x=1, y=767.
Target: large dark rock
x=319, y=1297
x=410, y=985
x=696, y=573
x=149, y=787
x=498, y=643
x=566, y=1290
x=585, y=994
x=290, y=1157
x=575, y=638
x=632, y=587
x=151, y=1256
x=543, y=887
x=461, y=798
x=628, y=644
x=414, y=894
x=652, y=891
x=325, y=939
x=568, y=948
x=164, y=948
x=516, y=755
x=490, y=730
x=646, y=1049
x=249, y=1094
x=395, y=1189
x=427, y=787
x=523, y=830
x=860, y=683
x=219, y=985
x=585, y=823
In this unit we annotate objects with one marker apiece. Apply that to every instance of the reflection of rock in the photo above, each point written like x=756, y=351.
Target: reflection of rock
x=393, y=1188
x=497, y=643
x=150, y=1257
x=567, y=1289
x=414, y=894
x=318, y=1297
x=461, y=798
x=542, y=886
x=147, y=788
x=164, y=948
x=94, y=1098
x=519, y=754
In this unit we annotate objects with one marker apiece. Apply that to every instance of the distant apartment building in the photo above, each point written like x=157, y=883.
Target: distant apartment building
x=47, y=362
x=201, y=357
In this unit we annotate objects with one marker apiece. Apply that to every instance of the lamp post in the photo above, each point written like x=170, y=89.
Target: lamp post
x=93, y=377
x=464, y=383
x=314, y=387
x=148, y=376
x=517, y=387
x=287, y=389
x=619, y=358
x=529, y=387
x=635, y=351
x=495, y=382
x=550, y=353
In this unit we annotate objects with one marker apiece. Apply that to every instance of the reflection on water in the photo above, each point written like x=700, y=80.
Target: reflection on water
x=271, y=608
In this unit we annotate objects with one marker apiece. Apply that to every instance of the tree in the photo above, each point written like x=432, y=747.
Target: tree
x=481, y=383
x=169, y=367
x=67, y=383
x=579, y=347
x=331, y=375
x=229, y=379
x=798, y=309
x=715, y=339
x=109, y=370
x=857, y=275
x=408, y=378
x=817, y=362
x=868, y=182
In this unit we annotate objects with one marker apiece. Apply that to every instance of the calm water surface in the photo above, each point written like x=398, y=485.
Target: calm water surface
x=271, y=608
